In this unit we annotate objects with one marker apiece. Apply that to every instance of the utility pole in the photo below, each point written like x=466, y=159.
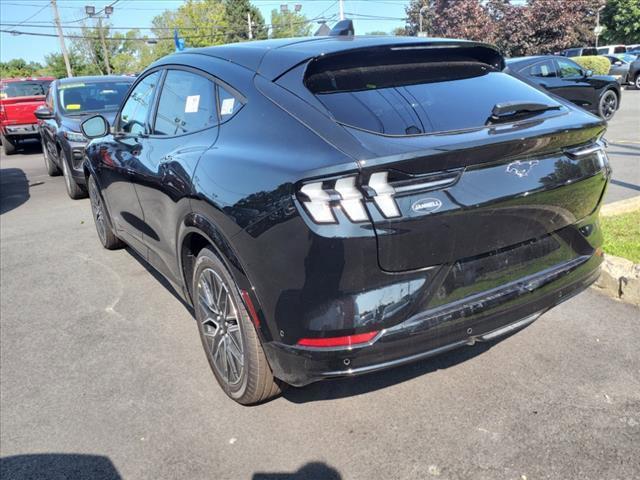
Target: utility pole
x=249, y=24
x=90, y=10
x=63, y=47
x=421, y=13
x=341, y=10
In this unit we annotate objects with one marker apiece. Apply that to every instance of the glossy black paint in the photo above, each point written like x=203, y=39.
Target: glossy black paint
x=517, y=234
x=57, y=124
x=584, y=90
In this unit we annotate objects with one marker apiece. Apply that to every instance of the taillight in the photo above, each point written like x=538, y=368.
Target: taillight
x=322, y=197
x=319, y=198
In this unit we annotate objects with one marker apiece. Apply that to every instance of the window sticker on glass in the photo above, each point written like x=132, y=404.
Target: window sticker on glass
x=191, y=106
x=227, y=106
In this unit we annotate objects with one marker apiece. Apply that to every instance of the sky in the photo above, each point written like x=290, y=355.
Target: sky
x=139, y=13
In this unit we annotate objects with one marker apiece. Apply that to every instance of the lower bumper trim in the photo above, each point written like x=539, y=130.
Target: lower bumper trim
x=436, y=351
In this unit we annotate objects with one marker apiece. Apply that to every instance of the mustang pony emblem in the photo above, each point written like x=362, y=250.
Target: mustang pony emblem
x=521, y=169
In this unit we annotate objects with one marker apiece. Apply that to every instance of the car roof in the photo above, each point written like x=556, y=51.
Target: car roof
x=95, y=79
x=273, y=57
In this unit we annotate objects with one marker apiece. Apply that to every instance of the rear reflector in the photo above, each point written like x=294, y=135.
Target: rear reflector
x=338, y=341
x=252, y=310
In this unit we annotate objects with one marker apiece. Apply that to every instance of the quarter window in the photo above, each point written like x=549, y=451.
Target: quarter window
x=229, y=104
x=187, y=104
x=133, y=118
x=568, y=69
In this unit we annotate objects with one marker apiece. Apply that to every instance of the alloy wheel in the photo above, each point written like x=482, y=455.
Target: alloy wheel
x=638, y=81
x=221, y=327
x=608, y=104
x=98, y=212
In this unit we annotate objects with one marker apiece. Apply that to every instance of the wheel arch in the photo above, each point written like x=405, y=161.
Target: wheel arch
x=198, y=232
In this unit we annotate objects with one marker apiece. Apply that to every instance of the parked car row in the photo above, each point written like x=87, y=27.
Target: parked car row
x=604, y=50
x=599, y=94
x=337, y=206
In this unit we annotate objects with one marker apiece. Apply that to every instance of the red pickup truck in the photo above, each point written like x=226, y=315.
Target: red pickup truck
x=19, y=97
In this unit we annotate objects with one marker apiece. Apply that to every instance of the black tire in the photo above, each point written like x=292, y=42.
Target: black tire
x=74, y=190
x=608, y=104
x=636, y=81
x=52, y=168
x=228, y=329
x=8, y=145
x=101, y=218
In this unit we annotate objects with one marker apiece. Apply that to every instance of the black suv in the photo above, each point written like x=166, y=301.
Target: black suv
x=336, y=206
x=68, y=102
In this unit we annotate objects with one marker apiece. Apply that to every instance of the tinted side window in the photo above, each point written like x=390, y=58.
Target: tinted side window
x=187, y=104
x=229, y=104
x=620, y=50
x=568, y=69
x=133, y=118
x=544, y=69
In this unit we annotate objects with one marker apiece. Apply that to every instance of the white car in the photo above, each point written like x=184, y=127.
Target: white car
x=612, y=49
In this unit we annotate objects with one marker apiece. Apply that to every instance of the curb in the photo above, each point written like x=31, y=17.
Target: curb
x=620, y=278
x=621, y=206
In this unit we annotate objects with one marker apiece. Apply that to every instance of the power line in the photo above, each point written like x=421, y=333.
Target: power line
x=35, y=14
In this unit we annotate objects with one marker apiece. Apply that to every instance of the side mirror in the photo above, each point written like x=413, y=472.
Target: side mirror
x=588, y=73
x=43, y=113
x=95, y=127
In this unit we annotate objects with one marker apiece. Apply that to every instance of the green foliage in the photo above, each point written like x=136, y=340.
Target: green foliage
x=19, y=68
x=622, y=235
x=597, y=64
x=238, y=29
x=517, y=27
x=377, y=32
x=289, y=24
x=621, y=18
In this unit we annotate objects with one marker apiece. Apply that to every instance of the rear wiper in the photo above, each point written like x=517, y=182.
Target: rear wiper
x=507, y=110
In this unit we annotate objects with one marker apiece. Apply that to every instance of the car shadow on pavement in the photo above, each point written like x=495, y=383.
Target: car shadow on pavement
x=57, y=466
x=160, y=278
x=352, y=386
x=310, y=471
x=14, y=189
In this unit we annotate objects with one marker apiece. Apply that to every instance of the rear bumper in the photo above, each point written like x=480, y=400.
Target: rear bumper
x=480, y=317
x=28, y=130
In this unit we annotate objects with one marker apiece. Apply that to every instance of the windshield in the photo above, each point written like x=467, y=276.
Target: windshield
x=81, y=98
x=627, y=57
x=29, y=88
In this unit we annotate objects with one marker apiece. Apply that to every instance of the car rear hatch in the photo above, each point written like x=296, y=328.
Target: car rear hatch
x=465, y=160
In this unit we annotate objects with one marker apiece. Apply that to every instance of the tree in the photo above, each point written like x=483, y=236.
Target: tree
x=200, y=22
x=289, y=24
x=19, y=67
x=238, y=29
x=517, y=28
x=466, y=19
x=54, y=65
x=621, y=19
x=377, y=32
x=399, y=32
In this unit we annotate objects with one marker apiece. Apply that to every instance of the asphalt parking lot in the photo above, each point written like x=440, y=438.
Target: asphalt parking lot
x=103, y=375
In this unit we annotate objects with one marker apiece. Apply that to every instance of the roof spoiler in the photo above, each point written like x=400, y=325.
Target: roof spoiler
x=343, y=28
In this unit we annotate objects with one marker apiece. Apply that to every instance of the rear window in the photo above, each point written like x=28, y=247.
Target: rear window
x=418, y=98
x=24, y=89
x=589, y=51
